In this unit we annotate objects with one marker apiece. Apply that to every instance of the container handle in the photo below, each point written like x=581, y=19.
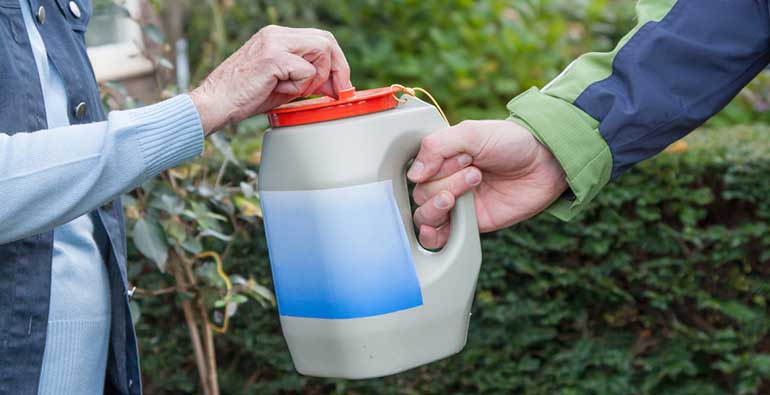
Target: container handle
x=464, y=234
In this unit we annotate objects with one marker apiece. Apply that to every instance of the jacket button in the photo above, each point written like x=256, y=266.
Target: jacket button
x=41, y=15
x=130, y=293
x=74, y=9
x=80, y=110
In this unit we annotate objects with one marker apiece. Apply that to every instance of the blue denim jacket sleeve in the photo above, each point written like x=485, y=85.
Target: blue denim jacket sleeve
x=50, y=177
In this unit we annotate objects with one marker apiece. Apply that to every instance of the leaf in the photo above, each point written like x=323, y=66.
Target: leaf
x=205, y=190
x=247, y=189
x=761, y=362
x=149, y=185
x=251, y=174
x=237, y=279
x=163, y=62
x=261, y=291
x=192, y=245
x=213, y=233
x=223, y=146
x=136, y=312
x=154, y=33
x=248, y=207
x=149, y=239
x=168, y=203
x=206, y=218
x=232, y=308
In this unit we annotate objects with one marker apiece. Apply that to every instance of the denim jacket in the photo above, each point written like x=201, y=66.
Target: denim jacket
x=25, y=265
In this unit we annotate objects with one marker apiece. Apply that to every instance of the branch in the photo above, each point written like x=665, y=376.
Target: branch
x=192, y=326
x=156, y=292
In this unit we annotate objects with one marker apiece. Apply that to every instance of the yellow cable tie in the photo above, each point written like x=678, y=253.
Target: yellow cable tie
x=413, y=92
x=228, y=285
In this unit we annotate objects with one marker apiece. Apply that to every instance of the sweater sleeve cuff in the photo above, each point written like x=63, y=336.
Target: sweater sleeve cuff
x=573, y=138
x=168, y=133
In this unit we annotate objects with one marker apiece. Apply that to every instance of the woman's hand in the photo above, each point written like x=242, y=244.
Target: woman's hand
x=512, y=176
x=275, y=66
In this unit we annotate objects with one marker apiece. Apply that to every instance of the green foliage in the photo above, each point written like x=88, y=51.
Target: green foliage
x=474, y=56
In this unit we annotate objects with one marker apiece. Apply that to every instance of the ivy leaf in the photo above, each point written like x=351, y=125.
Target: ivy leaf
x=175, y=231
x=192, y=245
x=149, y=239
x=169, y=203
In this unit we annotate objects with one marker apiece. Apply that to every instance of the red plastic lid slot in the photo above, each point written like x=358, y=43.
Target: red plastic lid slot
x=349, y=104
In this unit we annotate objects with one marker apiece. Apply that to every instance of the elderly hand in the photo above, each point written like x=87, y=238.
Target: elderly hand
x=512, y=176
x=275, y=66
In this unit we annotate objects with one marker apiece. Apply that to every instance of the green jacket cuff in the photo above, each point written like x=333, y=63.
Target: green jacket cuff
x=573, y=138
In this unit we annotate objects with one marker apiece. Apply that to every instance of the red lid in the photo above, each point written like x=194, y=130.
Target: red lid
x=349, y=104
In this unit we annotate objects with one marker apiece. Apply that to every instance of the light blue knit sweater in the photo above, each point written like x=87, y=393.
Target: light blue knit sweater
x=57, y=178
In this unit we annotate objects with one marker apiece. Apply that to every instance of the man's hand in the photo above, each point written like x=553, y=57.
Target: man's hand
x=276, y=65
x=513, y=177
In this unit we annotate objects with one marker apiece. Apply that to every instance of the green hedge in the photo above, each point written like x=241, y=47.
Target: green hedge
x=660, y=288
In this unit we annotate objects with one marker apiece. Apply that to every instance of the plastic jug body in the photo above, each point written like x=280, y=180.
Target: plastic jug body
x=357, y=296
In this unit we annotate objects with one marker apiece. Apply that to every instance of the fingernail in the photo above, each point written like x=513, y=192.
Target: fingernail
x=441, y=201
x=464, y=160
x=416, y=169
x=473, y=177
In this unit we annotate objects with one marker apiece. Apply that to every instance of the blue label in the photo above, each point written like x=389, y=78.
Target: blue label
x=339, y=253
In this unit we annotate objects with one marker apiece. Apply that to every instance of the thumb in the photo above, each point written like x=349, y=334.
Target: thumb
x=326, y=89
x=442, y=145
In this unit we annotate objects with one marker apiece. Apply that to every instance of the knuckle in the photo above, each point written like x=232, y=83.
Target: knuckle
x=329, y=35
x=263, y=33
x=430, y=143
x=269, y=29
x=326, y=44
x=419, y=196
x=416, y=218
x=424, y=241
x=321, y=32
x=467, y=124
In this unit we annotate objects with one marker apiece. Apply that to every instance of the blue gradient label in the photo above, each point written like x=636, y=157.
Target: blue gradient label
x=339, y=253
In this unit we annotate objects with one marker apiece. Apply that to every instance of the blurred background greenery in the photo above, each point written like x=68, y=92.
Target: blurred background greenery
x=660, y=288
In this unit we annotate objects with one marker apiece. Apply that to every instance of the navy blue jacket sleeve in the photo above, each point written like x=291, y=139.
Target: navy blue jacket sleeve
x=682, y=63
x=674, y=74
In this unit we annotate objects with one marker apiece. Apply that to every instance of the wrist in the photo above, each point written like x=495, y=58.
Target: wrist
x=210, y=113
x=553, y=172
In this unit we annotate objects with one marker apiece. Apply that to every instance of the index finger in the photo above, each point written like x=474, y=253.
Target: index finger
x=340, y=69
x=442, y=145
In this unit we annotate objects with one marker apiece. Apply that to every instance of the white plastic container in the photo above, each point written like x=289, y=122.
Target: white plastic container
x=358, y=296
